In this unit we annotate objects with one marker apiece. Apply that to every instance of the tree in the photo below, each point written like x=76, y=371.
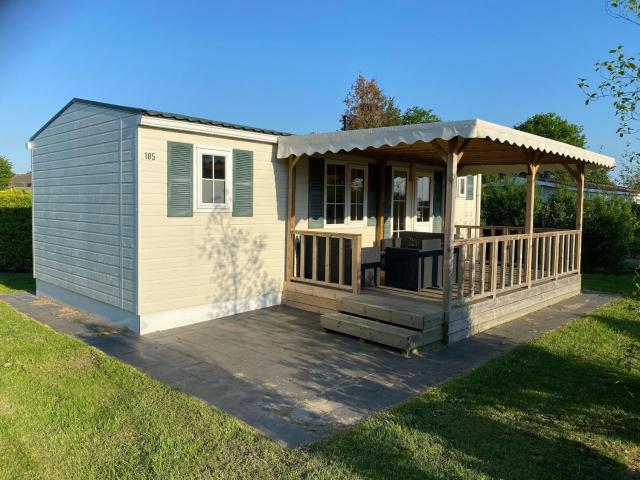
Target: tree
x=415, y=115
x=368, y=107
x=629, y=171
x=620, y=83
x=504, y=201
x=6, y=173
x=553, y=126
x=620, y=73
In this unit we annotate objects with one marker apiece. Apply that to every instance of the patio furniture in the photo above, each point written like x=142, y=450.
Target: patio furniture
x=370, y=266
x=415, y=269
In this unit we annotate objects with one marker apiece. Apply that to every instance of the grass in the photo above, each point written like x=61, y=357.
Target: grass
x=623, y=283
x=562, y=406
x=12, y=282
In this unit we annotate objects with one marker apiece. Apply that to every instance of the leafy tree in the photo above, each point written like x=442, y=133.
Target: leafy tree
x=629, y=171
x=553, y=126
x=558, y=210
x=368, y=107
x=619, y=74
x=504, y=201
x=415, y=115
x=6, y=172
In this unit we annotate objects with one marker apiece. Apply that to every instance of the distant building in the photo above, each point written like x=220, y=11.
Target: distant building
x=547, y=186
x=21, y=181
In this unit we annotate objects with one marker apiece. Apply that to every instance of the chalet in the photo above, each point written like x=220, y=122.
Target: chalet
x=153, y=220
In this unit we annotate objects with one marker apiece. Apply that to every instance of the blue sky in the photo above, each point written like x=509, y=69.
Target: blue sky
x=288, y=65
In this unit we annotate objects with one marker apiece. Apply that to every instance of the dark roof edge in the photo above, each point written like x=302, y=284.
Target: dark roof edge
x=155, y=113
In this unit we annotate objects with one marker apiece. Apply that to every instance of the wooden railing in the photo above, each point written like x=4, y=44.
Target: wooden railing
x=495, y=264
x=555, y=254
x=474, y=231
x=330, y=259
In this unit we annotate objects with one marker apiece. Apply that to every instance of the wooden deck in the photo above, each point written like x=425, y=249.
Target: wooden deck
x=406, y=320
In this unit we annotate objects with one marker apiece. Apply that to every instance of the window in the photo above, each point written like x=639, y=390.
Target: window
x=345, y=194
x=357, y=195
x=335, y=200
x=462, y=187
x=423, y=198
x=399, y=207
x=213, y=182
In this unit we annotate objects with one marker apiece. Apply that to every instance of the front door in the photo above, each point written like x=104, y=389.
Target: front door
x=400, y=179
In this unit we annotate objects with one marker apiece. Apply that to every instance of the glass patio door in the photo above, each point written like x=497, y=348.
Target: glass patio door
x=399, y=205
x=423, y=202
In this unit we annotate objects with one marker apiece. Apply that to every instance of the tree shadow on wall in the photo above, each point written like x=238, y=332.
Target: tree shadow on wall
x=235, y=253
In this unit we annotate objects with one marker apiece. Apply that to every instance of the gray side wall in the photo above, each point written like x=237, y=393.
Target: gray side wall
x=84, y=222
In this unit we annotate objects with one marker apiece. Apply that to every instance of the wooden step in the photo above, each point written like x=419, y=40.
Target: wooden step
x=393, y=336
x=401, y=310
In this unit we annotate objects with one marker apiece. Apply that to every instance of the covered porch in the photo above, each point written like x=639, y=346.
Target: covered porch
x=414, y=283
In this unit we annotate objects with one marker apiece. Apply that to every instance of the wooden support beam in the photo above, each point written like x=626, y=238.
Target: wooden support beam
x=574, y=173
x=579, y=211
x=453, y=155
x=291, y=193
x=380, y=223
x=291, y=214
x=532, y=170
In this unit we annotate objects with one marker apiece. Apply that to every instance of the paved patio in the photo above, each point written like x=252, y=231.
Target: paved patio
x=280, y=372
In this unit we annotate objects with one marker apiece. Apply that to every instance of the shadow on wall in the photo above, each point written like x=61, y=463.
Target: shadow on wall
x=236, y=256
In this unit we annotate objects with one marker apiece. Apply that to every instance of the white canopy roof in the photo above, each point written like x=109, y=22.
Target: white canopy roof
x=407, y=135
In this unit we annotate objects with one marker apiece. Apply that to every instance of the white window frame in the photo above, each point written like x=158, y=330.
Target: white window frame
x=198, y=204
x=408, y=202
x=363, y=222
x=347, y=200
x=462, y=182
x=415, y=198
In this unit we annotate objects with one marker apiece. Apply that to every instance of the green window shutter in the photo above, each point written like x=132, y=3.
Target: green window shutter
x=242, y=183
x=179, y=179
x=316, y=193
x=470, y=187
x=372, y=195
x=437, y=201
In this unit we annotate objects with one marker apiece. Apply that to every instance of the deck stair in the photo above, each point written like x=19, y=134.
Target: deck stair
x=398, y=320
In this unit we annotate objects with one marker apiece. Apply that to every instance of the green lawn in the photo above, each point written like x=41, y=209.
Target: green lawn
x=623, y=284
x=563, y=406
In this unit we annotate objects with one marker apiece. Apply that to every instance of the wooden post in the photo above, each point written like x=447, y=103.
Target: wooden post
x=452, y=155
x=356, y=261
x=291, y=215
x=532, y=170
x=380, y=187
x=579, y=212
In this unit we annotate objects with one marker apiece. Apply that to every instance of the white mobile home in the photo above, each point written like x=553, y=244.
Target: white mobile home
x=154, y=220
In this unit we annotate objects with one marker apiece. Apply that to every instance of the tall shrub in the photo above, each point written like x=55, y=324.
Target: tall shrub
x=503, y=201
x=608, y=232
x=15, y=231
x=558, y=210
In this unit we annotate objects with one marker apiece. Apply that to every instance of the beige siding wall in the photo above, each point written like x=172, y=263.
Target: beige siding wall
x=468, y=211
x=218, y=263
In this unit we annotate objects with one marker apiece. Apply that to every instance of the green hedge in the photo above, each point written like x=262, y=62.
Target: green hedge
x=611, y=224
x=15, y=231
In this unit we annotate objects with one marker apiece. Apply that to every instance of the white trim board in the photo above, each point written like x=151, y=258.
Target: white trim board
x=165, y=320
x=183, y=126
